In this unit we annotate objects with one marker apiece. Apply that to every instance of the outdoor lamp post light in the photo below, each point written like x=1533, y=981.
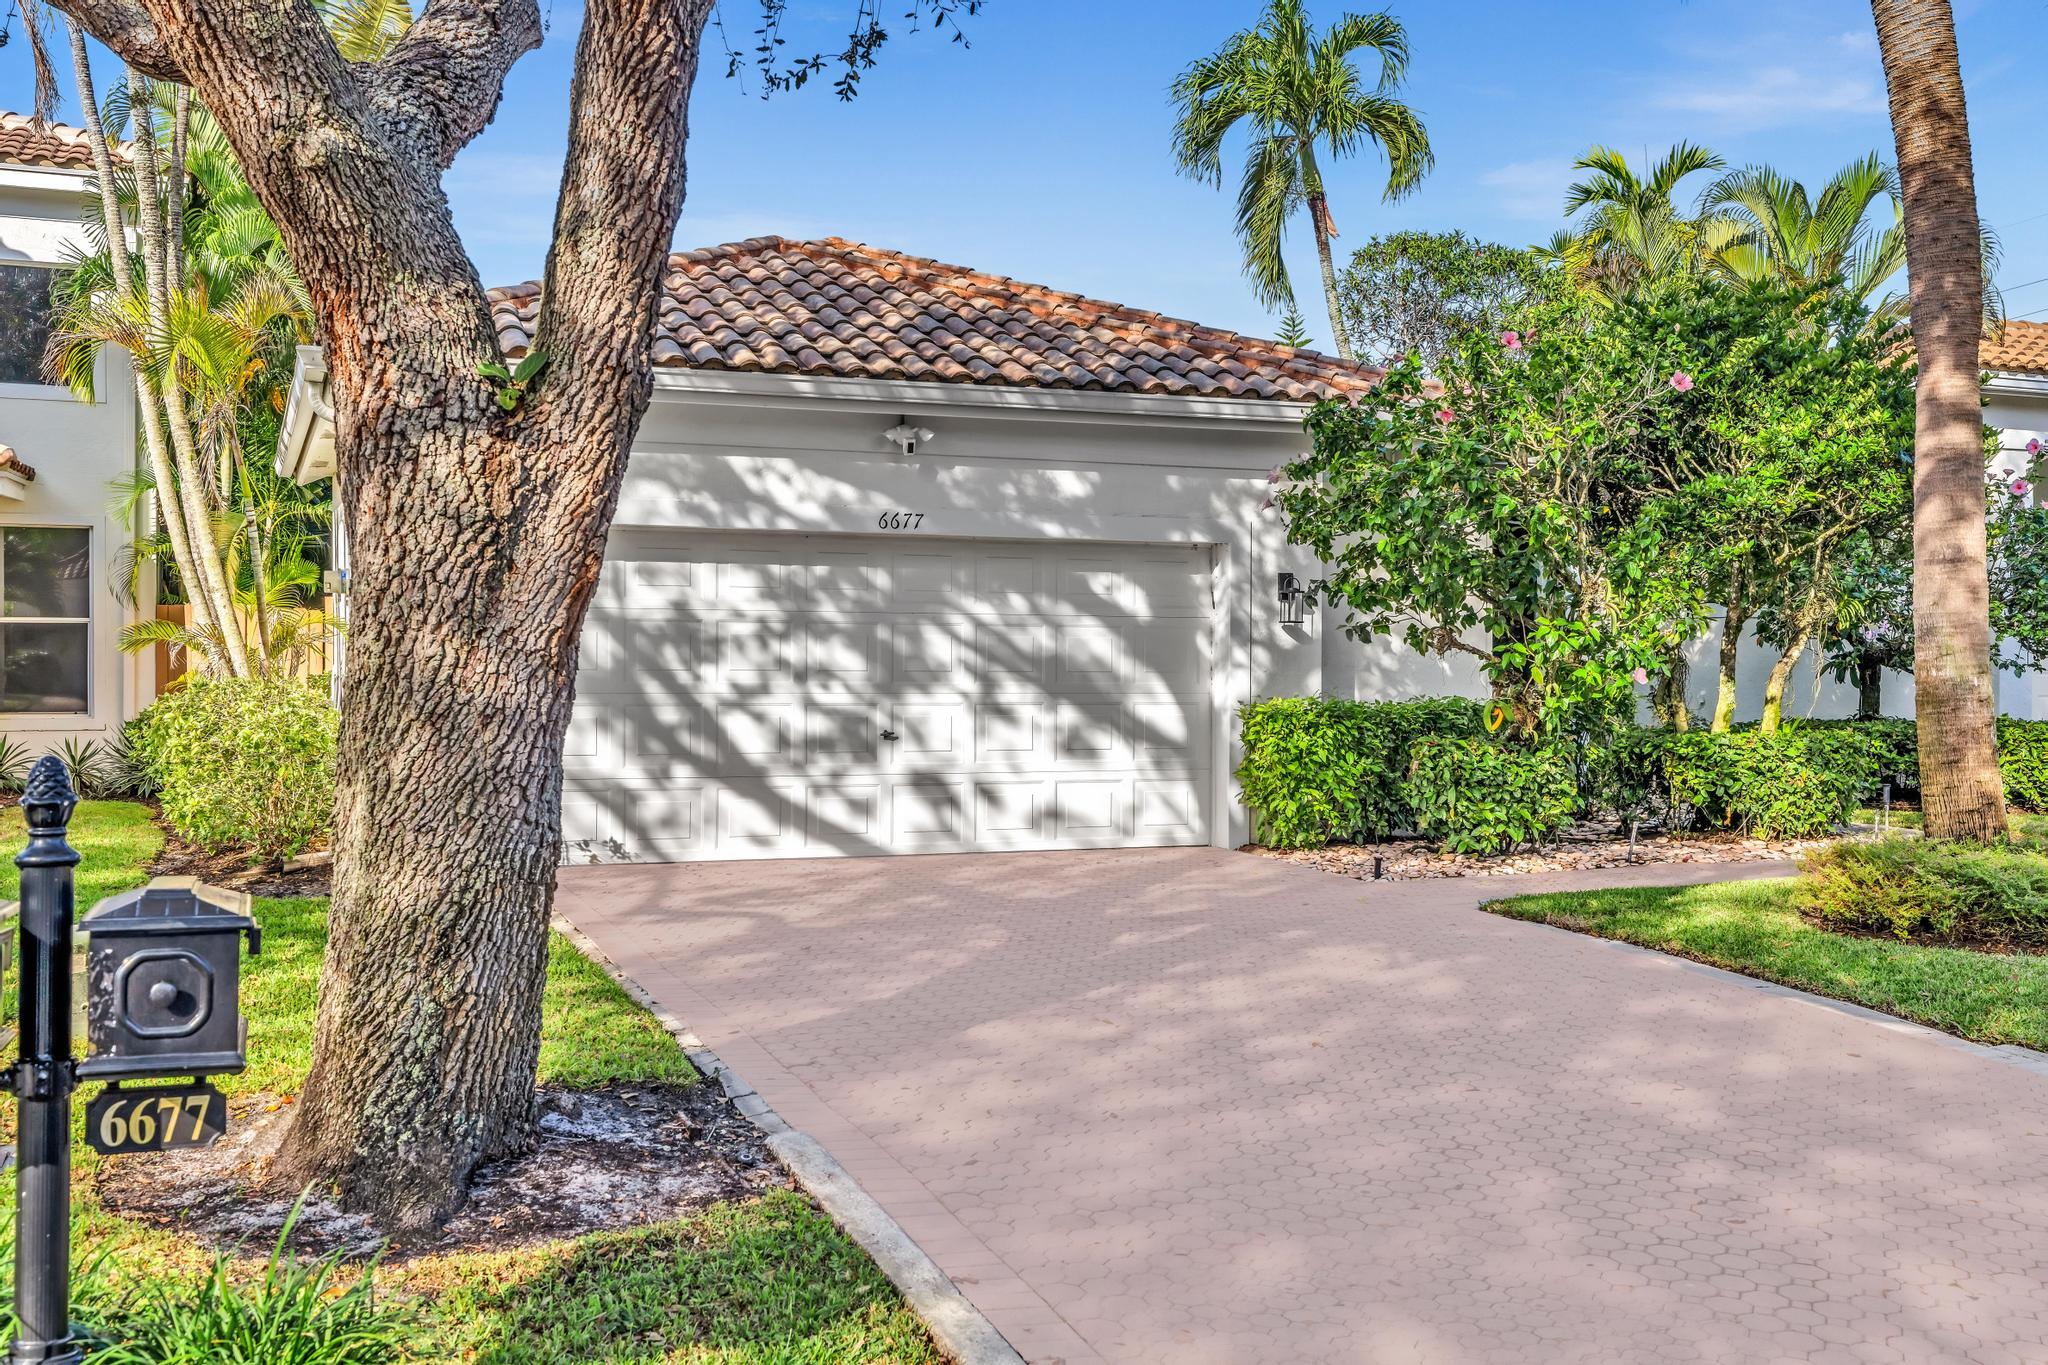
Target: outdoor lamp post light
x=1293, y=601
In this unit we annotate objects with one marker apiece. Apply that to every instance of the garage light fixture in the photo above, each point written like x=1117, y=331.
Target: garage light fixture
x=907, y=437
x=1293, y=601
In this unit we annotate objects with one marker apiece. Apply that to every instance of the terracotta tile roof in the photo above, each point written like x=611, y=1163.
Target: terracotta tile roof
x=53, y=144
x=2022, y=348
x=836, y=308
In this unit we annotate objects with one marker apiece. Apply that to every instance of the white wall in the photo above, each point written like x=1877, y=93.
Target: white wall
x=78, y=450
x=1179, y=473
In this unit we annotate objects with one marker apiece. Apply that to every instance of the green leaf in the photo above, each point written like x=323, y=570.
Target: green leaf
x=491, y=369
x=508, y=399
x=529, y=367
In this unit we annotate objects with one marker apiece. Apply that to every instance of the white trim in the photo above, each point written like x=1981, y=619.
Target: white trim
x=305, y=438
x=2013, y=384
x=14, y=175
x=1144, y=409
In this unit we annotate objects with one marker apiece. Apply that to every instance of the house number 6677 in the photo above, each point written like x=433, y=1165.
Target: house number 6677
x=899, y=521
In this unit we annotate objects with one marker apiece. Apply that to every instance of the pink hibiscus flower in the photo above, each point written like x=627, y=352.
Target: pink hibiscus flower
x=2020, y=487
x=1446, y=416
x=1641, y=675
x=1511, y=340
x=1275, y=475
x=1681, y=381
x=2034, y=446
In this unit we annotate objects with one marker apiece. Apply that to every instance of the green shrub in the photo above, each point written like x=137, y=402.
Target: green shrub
x=1794, y=784
x=1929, y=889
x=242, y=762
x=2023, y=760
x=1479, y=796
x=1320, y=768
x=1891, y=746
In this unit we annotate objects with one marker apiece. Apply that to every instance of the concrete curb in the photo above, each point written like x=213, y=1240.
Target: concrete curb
x=959, y=1328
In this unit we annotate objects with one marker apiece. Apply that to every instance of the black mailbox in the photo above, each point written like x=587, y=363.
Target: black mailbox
x=163, y=978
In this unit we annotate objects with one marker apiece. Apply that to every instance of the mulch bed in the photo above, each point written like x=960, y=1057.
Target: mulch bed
x=231, y=869
x=614, y=1157
x=1578, y=849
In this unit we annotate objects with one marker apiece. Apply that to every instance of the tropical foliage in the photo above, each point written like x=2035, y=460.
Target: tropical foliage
x=190, y=279
x=1296, y=91
x=1423, y=293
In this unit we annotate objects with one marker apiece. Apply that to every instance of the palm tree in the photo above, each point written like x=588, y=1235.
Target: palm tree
x=1761, y=226
x=211, y=325
x=1758, y=225
x=1298, y=90
x=1629, y=226
x=1961, y=791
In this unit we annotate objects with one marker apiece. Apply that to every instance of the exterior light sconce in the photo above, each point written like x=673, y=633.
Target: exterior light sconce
x=907, y=437
x=1293, y=601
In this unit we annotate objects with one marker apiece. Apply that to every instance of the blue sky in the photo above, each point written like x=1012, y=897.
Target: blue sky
x=1041, y=151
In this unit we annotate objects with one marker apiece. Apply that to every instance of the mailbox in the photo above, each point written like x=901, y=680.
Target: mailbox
x=163, y=978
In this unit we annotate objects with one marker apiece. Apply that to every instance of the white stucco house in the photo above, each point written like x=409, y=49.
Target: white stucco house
x=916, y=558
x=62, y=673
x=909, y=557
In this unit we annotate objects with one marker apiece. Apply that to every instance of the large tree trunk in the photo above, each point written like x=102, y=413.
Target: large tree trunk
x=1733, y=618
x=1781, y=676
x=477, y=535
x=1319, y=217
x=1961, y=792
x=1869, y=687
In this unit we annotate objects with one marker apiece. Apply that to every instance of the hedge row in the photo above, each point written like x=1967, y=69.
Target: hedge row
x=1318, y=770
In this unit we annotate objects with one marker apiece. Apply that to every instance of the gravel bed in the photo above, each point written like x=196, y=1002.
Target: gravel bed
x=1577, y=850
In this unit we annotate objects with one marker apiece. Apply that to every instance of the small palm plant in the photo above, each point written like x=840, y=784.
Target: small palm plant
x=1297, y=91
x=1629, y=227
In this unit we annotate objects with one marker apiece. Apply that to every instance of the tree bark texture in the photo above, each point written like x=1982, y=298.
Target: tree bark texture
x=1733, y=618
x=1869, y=688
x=476, y=535
x=1319, y=218
x=1961, y=792
x=1781, y=676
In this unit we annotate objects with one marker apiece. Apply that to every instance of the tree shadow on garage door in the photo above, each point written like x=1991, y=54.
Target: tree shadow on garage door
x=788, y=695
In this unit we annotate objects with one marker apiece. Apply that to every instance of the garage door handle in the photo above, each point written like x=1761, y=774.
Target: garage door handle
x=891, y=735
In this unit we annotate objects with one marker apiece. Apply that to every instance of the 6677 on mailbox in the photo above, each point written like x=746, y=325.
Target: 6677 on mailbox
x=163, y=977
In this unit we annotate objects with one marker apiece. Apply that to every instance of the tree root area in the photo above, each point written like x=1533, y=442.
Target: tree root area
x=608, y=1158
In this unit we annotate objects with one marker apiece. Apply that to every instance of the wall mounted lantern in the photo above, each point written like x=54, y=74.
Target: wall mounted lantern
x=1293, y=601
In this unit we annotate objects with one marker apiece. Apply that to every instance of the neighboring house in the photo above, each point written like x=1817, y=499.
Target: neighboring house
x=2016, y=404
x=62, y=673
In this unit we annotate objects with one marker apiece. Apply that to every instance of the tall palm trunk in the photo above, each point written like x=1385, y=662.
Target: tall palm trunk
x=205, y=576
x=1961, y=792
x=147, y=401
x=1319, y=215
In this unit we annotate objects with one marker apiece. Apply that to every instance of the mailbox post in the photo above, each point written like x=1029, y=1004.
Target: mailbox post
x=162, y=991
x=43, y=1078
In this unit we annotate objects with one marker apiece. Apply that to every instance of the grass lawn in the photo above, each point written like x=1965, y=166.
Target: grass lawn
x=766, y=1282
x=1752, y=928
x=2024, y=824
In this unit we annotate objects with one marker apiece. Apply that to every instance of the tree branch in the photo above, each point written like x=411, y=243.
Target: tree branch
x=440, y=84
x=126, y=28
x=622, y=190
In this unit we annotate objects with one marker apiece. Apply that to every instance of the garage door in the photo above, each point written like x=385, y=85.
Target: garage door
x=778, y=696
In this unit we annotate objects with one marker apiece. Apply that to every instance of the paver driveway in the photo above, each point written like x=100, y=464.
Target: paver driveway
x=1194, y=1106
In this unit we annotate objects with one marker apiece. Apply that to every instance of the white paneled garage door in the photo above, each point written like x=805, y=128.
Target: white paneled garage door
x=776, y=696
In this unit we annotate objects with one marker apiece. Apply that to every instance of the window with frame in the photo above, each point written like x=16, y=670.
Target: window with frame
x=24, y=321
x=45, y=619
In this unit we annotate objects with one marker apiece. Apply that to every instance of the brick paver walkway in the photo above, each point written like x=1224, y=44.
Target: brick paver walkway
x=1196, y=1107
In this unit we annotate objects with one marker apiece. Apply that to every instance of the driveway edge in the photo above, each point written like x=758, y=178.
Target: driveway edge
x=960, y=1329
